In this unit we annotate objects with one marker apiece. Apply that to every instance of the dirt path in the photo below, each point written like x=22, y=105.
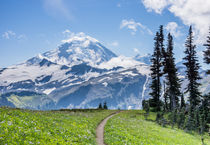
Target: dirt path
x=100, y=130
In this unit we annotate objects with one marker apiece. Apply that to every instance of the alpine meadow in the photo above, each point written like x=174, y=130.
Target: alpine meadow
x=105, y=72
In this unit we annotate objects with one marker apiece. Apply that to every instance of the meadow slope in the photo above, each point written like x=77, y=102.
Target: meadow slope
x=26, y=127
x=130, y=127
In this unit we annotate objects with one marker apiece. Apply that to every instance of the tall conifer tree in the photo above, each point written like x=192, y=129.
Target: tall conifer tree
x=192, y=65
x=156, y=74
x=171, y=75
x=161, y=40
x=207, y=51
x=182, y=104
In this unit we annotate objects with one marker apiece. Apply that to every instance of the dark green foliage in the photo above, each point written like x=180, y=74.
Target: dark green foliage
x=193, y=121
x=100, y=106
x=192, y=65
x=189, y=122
x=145, y=105
x=105, y=106
x=207, y=51
x=156, y=74
x=160, y=119
x=203, y=123
x=161, y=40
x=158, y=116
x=205, y=113
x=171, y=75
x=182, y=105
x=181, y=118
x=173, y=115
x=153, y=106
x=197, y=119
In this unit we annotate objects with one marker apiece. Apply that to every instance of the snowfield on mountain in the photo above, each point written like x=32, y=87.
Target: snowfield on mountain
x=80, y=73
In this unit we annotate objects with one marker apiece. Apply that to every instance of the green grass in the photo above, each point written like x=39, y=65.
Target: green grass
x=131, y=128
x=28, y=101
x=26, y=127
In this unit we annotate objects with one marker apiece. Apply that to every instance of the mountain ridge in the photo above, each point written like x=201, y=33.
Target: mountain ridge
x=81, y=73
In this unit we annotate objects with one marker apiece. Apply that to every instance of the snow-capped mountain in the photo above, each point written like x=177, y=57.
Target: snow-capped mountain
x=76, y=50
x=143, y=58
x=80, y=73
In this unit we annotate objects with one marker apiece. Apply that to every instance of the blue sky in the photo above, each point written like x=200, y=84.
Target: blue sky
x=127, y=27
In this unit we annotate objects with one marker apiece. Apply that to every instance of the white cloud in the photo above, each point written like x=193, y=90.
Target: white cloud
x=156, y=5
x=57, y=8
x=133, y=26
x=21, y=37
x=8, y=34
x=67, y=31
x=191, y=12
x=136, y=50
x=173, y=28
x=11, y=34
x=115, y=44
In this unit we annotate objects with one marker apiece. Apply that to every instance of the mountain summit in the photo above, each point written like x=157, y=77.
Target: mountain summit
x=78, y=49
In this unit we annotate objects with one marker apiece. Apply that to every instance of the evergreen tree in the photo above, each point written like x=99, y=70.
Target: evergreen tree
x=189, y=122
x=205, y=112
x=207, y=51
x=100, y=106
x=105, y=106
x=145, y=105
x=197, y=119
x=165, y=96
x=171, y=75
x=181, y=118
x=155, y=75
x=182, y=105
x=161, y=40
x=192, y=65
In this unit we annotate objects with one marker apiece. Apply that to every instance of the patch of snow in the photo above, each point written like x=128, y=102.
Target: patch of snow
x=143, y=69
x=89, y=75
x=48, y=91
x=80, y=37
x=122, y=61
x=105, y=84
x=30, y=72
x=129, y=73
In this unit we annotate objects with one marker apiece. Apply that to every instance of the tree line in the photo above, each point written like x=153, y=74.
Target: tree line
x=103, y=107
x=192, y=114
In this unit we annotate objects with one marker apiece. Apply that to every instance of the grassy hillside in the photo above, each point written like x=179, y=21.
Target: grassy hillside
x=49, y=127
x=27, y=99
x=130, y=128
x=75, y=127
